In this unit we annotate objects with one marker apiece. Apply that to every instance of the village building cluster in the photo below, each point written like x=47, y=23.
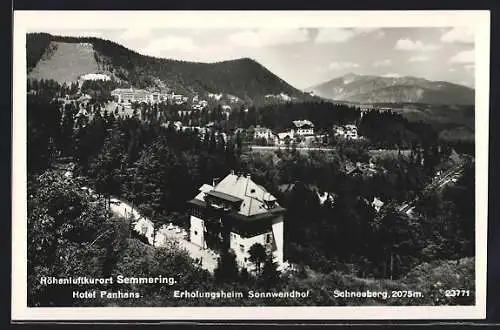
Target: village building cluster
x=127, y=96
x=198, y=104
x=347, y=132
x=202, y=131
x=280, y=96
x=302, y=133
x=131, y=95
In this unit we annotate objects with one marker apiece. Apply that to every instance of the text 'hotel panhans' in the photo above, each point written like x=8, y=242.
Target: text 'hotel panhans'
x=236, y=213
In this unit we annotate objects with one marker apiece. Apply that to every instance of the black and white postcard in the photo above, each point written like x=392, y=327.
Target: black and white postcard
x=250, y=165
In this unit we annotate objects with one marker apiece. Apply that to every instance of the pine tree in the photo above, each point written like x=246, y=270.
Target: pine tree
x=227, y=269
x=244, y=275
x=66, y=142
x=108, y=167
x=257, y=255
x=270, y=275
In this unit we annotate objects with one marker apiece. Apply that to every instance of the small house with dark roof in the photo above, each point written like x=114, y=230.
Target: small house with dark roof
x=234, y=214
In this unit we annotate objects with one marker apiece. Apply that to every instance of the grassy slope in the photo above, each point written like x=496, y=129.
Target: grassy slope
x=55, y=63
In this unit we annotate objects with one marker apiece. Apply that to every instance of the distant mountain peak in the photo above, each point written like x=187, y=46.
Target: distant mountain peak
x=240, y=60
x=393, y=88
x=392, y=75
x=349, y=77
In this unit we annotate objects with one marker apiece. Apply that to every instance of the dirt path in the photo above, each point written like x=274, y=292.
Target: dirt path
x=144, y=226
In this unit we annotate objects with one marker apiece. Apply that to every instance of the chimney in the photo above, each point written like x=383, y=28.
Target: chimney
x=215, y=181
x=232, y=172
x=248, y=175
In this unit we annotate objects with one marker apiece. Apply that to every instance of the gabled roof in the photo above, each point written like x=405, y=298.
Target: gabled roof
x=253, y=198
x=227, y=197
x=284, y=135
x=203, y=189
x=301, y=123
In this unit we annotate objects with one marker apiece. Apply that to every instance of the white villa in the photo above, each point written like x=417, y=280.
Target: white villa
x=130, y=95
x=263, y=133
x=300, y=128
x=303, y=127
x=349, y=132
x=234, y=214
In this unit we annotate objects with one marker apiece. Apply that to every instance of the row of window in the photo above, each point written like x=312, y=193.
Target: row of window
x=197, y=212
x=268, y=239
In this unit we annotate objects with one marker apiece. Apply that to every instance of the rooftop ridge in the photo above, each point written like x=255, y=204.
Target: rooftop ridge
x=253, y=196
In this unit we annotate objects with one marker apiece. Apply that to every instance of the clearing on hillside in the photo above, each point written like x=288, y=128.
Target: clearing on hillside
x=65, y=62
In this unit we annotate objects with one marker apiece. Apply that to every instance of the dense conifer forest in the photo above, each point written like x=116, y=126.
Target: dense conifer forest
x=342, y=243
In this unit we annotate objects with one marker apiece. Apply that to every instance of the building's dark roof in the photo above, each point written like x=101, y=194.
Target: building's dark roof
x=197, y=202
x=269, y=214
x=303, y=124
x=245, y=196
x=224, y=196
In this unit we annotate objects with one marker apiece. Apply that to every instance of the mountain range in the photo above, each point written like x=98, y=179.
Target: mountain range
x=64, y=59
x=376, y=89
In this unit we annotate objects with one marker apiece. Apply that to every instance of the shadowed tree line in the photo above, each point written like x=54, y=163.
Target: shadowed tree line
x=158, y=169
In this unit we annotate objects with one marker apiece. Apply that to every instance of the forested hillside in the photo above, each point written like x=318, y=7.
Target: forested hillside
x=244, y=78
x=341, y=243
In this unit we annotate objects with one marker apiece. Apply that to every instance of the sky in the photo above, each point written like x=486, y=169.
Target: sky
x=305, y=57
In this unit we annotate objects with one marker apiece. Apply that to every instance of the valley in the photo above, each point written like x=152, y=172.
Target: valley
x=239, y=181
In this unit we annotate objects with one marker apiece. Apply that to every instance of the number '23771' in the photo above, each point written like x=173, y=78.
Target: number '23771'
x=457, y=293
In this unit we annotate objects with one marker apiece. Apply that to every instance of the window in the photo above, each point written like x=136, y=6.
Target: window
x=242, y=248
x=195, y=232
x=268, y=238
x=197, y=212
x=246, y=259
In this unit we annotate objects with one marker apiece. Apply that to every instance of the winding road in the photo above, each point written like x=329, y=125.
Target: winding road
x=164, y=235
